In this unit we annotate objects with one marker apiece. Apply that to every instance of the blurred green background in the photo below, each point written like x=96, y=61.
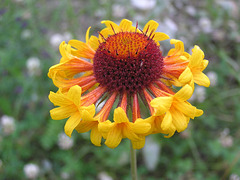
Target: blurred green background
x=32, y=146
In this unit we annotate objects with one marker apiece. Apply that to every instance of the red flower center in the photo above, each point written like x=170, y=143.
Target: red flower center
x=127, y=61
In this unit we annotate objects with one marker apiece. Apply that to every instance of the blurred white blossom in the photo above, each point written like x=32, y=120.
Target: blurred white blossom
x=151, y=152
x=168, y=26
x=205, y=24
x=64, y=142
x=33, y=66
x=7, y=124
x=200, y=93
x=191, y=10
x=225, y=139
x=213, y=77
x=230, y=6
x=119, y=10
x=26, y=34
x=234, y=177
x=144, y=4
x=31, y=171
x=104, y=176
x=56, y=39
x=65, y=175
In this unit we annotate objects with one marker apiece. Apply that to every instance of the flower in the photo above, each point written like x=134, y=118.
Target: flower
x=64, y=142
x=33, y=66
x=7, y=124
x=123, y=71
x=144, y=4
x=31, y=171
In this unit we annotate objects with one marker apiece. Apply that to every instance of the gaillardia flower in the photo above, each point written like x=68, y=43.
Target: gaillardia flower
x=124, y=71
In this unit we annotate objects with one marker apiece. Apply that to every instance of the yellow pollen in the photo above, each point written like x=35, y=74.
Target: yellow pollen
x=126, y=44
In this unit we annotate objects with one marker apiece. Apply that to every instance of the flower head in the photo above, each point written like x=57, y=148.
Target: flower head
x=124, y=68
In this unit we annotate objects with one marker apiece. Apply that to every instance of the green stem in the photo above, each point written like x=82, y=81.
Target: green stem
x=133, y=162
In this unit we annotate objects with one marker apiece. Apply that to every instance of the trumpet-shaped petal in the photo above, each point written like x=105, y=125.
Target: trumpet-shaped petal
x=71, y=108
x=122, y=128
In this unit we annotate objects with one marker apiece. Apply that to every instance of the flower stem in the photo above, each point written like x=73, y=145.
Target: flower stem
x=133, y=162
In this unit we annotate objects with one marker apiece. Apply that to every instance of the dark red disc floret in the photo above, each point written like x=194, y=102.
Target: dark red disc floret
x=130, y=74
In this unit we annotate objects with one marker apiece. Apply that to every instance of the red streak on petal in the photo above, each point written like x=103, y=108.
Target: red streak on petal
x=148, y=99
x=104, y=112
x=136, y=108
x=123, y=104
x=93, y=96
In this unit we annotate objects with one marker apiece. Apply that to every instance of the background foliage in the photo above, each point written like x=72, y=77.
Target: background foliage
x=208, y=149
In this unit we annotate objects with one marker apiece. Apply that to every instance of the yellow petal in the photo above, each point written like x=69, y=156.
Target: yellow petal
x=196, y=58
x=179, y=47
x=186, y=108
x=140, y=126
x=201, y=79
x=186, y=76
x=170, y=131
x=62, y=112
x=111, y=26
x=85, y=126
x=180, y=121
x=105, y=126
x=125, y=25
x=86, y=116
x=83, y=49
x=120, y=116
x=204, y=64
x=159, y=36
x=138, y=144
x=151, y=26
x=71, y=123
x=167, y=121
x=87, y=34
x=93, y=42
x=161, y=104
x=96, y=136
x=198, y=112
x=90, y=109
x=128, y=132
x=184, y=93
x=59, y=99
x=114, y=137
x=74, y=94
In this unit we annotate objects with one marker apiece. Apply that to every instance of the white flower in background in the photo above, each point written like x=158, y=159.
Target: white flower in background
x=168, y=26
x=213, y=77
x=119, y=10
x=33, y=66
x=234, y=177
x=230, y=6
x=144, y=4
x=205, y=24
x=31, y=171
x=64, y=142
x=8, y=124
x=200, y=93
x=104, y=176
x=191, y=10
x=56, y=39
x=225, y=139
x=151, y=152
x=26, y=34
x=65, y=175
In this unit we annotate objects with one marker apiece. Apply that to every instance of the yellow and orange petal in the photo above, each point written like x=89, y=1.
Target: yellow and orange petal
x=69, y=106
